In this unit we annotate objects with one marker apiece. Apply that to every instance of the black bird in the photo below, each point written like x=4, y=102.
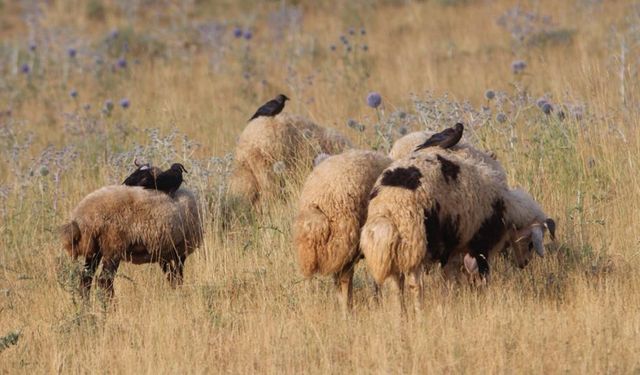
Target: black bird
x=170, y=180
x=272, y=107
x=447, y=138
x=144, y=175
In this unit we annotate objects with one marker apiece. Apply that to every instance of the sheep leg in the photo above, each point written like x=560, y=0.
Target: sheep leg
x=344, y=286
x=109, y=270
x=179, y=270
x=416, y=285
x=173, y=270
x=90, y=266
x=398, y=280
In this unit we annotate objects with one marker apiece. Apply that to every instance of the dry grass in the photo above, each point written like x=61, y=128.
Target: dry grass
x=244, y=307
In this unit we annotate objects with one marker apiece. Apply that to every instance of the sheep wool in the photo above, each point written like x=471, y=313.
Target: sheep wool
x=406, y=145
x=123, y=223
x=272, y=147
x=332, y=209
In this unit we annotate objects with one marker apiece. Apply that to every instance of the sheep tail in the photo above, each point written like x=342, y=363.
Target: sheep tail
x=311, y=235
x=378, y=241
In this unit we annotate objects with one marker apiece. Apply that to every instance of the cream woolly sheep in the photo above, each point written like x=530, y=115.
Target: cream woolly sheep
x=283, y=141
x=332, y=209
x=123, y=223
x=430, y=206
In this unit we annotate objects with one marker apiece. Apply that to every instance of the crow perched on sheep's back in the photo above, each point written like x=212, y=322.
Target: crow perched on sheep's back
x=153, y=178
x=144, y=175
x=271, y=108
x=445, y=139
x=170, y=180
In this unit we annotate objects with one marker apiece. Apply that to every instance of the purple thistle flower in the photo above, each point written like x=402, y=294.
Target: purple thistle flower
x=125, y=103
x=349, y=48
x=518, y=66
x=72, y=52
x=333, y=47
x=74, y=93
x=248, y=35
x=122, y=63
x=501, y=118
x=108, y=106
x=114, y=34
x=32, y=47
x=540, y=102
x=489, y=94
x=363, y=31
x=344, y=39
x=547, y=108
x=25, y=68
x=237, y=32
x=374, y=99
x=365, y=47
x=352, y=31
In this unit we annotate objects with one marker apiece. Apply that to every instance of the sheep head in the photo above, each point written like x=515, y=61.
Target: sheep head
x=70, y=236
x=530, y=238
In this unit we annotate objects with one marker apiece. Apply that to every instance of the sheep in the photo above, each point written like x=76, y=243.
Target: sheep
x=332, y=209
x=122, y=223
x=406, y=145
x=527, y=224
x=269, y=146
x=437, y=204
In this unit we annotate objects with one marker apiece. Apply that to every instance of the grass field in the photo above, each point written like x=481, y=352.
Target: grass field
x=191, y=73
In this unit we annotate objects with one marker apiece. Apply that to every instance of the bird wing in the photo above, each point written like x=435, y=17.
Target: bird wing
x=167, y=181
x=135, y=177
x=445, y=139
x=267, y=109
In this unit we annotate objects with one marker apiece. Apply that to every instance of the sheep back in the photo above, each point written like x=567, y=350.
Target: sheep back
x=117, y=219
x=332, y=209
x=406, y=145
x=286, y=139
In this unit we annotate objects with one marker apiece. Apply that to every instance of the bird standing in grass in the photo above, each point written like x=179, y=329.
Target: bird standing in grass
x=271, y=108
x=153, y=178
x=445, y=139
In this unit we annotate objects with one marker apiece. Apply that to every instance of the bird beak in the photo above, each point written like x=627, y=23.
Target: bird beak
x=183, y=169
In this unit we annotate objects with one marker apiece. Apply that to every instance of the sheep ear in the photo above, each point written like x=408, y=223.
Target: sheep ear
x=536, y=237
x=470, y=264
x=551, y=226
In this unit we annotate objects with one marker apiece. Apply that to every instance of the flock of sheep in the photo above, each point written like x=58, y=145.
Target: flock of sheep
x=428, y=201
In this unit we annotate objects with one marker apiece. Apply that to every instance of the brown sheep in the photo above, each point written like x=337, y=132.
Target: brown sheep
x=332, y=209
x=131, y=224
x=273, y=146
